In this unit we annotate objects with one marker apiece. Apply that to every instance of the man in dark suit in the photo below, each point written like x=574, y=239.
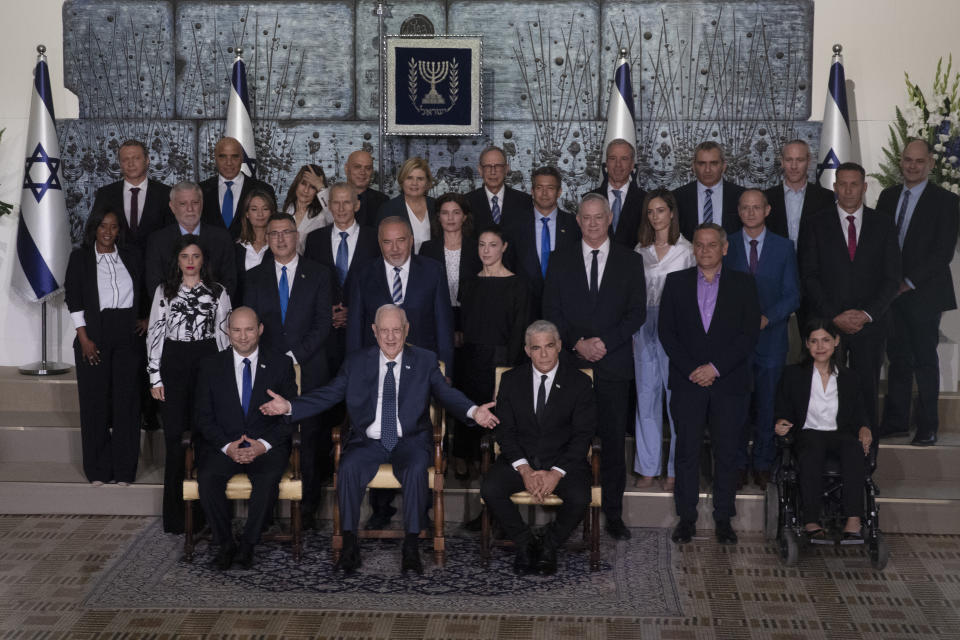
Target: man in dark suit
x=359, y=172
x=186, y=202
x=292, y=296
x=850, y=273
x=926, y=220
x=624, y=196
x=772, y=262
x=709, y=321
x=495, y=202
x=709, y=198
x=795, y=199
x=387, y=389
x=596, y=295
x=547, y=419
x=237, y=437
x=224, y=193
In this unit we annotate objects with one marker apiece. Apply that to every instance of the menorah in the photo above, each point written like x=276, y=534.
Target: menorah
x=433, y=72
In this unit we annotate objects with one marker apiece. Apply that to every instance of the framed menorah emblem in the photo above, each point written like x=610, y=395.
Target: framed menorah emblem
x=433, y=85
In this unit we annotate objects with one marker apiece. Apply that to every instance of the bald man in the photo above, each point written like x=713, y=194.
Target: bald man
x=359, y=172
x=224, y=193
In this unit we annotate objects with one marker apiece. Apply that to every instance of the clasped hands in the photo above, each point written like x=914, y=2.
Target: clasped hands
x=339, y=316
x=539, y=484
x=245, y=454
x=851, y=321
x=591, y=349
x=704, y=375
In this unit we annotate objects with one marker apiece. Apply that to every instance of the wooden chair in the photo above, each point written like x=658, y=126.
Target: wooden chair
x=591, y=518
x=386, y=480
x=239, y=487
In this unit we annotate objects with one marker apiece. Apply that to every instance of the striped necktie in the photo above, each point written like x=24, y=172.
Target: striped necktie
x=397, y=287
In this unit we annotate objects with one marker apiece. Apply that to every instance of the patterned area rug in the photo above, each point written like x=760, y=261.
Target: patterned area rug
x=635, y=580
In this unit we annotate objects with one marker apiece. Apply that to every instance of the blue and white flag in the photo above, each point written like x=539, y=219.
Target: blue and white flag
x=239, y=125
x=43, y=236
x=620, y=112
x=835, y=144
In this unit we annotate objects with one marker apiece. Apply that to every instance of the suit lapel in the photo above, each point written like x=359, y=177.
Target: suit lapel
x=300, y=281
x=259, y=384
x=915, y=220
x=554, y=398
x=805, y=394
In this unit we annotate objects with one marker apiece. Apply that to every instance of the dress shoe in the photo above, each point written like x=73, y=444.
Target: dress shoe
x=474, y=525
x=547, y=560
x=525, y=558
x=97, y=483
x=349, y=560
x=684, y=532
x=761, y=478
x=669, y=483
x=224, y=558
x=381, y=518
x=643, y=482
x=924, y=439
x=725, y=533
x=308, y=521
x=245, y=556
x=742, y=479
x=410, y=558
x=616, y=529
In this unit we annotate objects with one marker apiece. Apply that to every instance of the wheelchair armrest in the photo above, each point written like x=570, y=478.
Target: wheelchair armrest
x=872, y=459
x=785, y=441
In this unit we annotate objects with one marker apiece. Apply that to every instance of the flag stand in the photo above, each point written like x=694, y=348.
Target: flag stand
x=44, y=368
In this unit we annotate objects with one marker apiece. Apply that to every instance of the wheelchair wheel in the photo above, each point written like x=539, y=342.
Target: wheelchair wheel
x=789, y=547
x=771, y=507
x=879, y=553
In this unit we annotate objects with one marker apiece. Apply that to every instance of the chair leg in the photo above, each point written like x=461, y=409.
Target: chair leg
x=336, y=540
x=594, y=538
x=484, y=535
x=296, y=524
x=188, y=530
x=438, y=541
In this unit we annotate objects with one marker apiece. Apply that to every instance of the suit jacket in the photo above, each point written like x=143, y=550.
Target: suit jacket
x=689, y=211
x=470, y=264
x=778, y=288
x=219, y=413
x=357, y=385
x=218, y=252
x=514, y=203
x=370, y=202
x=154, y=213
x=318, y=249
x=426, y=301
x=729, y=343
x=83, y=294
x=832, y=283
x=240, y=261
x=522, y=253
x=815, y=199
x=618, y=312
x=631, y=212
x=928, y=246
x=211, y=202
x=305, y=329
x=568, y=425
x=398, y=207
x=793, y=399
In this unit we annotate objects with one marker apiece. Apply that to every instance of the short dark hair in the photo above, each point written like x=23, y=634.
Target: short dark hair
x=547, y=170
x=852, y=166
x=710, y=145
x=94, y=220
x=282, y=216
x=134, y=143
x=814, y=324
x=711, y=226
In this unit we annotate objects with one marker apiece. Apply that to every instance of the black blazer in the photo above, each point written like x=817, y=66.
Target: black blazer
x=618, y=312
x=690, y=213
x=793, y=399
x=514, y=202
x=240, y=260
x=154, y=214
x=470, y=264
x=211, y=202
x=928, y=246
x=631, y=212
x=370, y=202
x=218, y=252
x=729, y=343
x=815, y=199
x=522, y=253
x=569, y=419
x=318, y=249
x=398, y=207
x=219, y=414
x=831, y=283
x=307, y=324
x=83, y=294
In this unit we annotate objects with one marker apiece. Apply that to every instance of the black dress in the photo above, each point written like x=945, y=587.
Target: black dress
x=494, y=317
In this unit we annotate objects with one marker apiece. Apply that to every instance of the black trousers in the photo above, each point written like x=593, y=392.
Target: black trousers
x=864, y=354
x=912, y=351
x=613, y=413
x=503, y=480
x=812, y=449
x=178, y=371
x=110, y=400
x=213, y=472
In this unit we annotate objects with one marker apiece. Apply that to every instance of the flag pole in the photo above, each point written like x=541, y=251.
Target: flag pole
x=381, y=88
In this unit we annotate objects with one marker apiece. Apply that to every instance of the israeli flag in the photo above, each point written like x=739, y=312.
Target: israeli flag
x=43, y=236
x=835, y=144
x=620, y=112
x=239, y=125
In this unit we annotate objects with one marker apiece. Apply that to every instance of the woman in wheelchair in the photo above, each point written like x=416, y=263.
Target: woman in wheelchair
x=821, y=401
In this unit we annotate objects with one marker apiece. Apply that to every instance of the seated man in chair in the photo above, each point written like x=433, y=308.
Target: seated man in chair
x=387, y=389
x=547, y=420
x=236, y=437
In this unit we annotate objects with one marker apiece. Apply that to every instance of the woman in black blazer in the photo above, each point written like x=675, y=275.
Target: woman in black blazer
x=251, y=248
x=413, y=204
x=103, y=286
x=823, y=402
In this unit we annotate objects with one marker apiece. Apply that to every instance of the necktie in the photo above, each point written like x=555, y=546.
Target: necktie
x=388, y=412
x=397, y=287
x=617, y=206
x=226, y=209
x=541, y=397
x=903, y=213
x=708, y=206
x=247, y=386
x=495, y=209
x=284, y=291
x=135, y=208
x=341, y=262
x=544, y=246
x=754, y=258
x=851, y=237
x=594, y=275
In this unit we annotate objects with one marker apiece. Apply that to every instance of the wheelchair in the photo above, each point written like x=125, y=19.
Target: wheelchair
x=783, y=508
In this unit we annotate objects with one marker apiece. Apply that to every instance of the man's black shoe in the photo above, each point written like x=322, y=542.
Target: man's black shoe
x=381, y=518
x=224, y=558
x=410, y=559
x=350, y=554
x=616, y=529
x=725, y=533
x=525, y=559
x=684, y=532
x=474, y=525
x=245, y=556
x=924, y=440
x=547, y=560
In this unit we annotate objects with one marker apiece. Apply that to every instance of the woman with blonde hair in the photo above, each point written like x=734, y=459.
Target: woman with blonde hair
x=413, y=203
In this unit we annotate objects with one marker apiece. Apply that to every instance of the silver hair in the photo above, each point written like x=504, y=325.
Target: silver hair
x=186, y=185
x=595, y=197
x=540, y=326
x=390, y=307
x=633, y=151
x=343, y=186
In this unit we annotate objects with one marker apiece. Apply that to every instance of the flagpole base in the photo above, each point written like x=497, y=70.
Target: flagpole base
x=45, y=368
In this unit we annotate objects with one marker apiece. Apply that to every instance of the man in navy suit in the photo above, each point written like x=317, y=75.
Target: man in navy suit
x=624, y=196
x=237, y=438
x=709, y=322
x=494, y=202
x=709, y=198
x=772, y=262
x=223, y=194
x=387, y=389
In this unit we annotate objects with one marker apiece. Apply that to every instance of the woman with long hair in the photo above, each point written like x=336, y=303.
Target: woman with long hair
x=251, y=247
x=307, y=200
x=413, y=203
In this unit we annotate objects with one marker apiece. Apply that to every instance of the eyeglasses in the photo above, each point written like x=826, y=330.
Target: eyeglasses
x=493, y=167
x=286, y=233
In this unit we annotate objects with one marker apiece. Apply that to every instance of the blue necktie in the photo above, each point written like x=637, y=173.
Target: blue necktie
x=342, y=258
x=284, y=291
x=617, y=207
x=226, y=210
x=388, y=411
x=397, y=287
x=901, y=216
x=495, y=209
x=247, y=386
x=544, y=246
x=708, y=206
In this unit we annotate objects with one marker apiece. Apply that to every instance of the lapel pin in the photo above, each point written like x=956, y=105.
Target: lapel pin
x=406, y=366
x=263, y=366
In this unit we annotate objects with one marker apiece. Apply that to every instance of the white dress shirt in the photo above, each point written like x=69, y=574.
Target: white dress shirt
x=604, y=251
x=114, y=286
x=404, y=276
x=793, y=205
x=500, y=194
x=421, y=228
x=141, y=198
x=824, y=403
x=236, y=188
x=353, y=233
x=678, y=257
x=548, y=386
x=716, y=196
x=238, y=372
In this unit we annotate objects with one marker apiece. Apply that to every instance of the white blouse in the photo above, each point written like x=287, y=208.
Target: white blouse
x=421, y=228
x=678, y=258
x=452, y=259
x=252, y=258
x=824, y=404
